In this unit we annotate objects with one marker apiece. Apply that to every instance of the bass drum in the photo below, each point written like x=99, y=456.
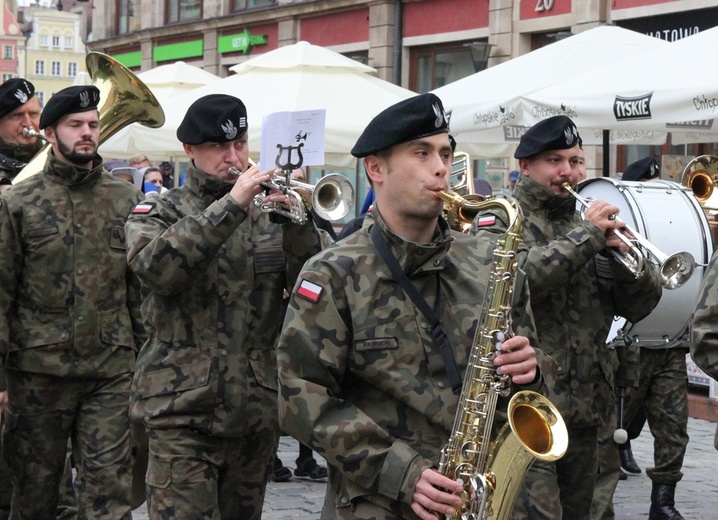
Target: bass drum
x=669, y=217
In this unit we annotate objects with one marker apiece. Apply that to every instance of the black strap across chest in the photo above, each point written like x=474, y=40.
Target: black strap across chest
x=437, y=329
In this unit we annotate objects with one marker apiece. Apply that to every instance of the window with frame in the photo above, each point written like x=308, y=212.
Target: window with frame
x=183, y=10
x=40, y=97
x=40, y=67
x=44, y=40
x=6, y=77
x=56, y=69
x=128, y=19
x=72, y=69
x=240, y=5
x=438, y=65
x=68, y=42
x=7, y=52
x=55, y=41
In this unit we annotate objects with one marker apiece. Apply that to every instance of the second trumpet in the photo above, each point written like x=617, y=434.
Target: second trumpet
x=675, y=270
x=331, y=198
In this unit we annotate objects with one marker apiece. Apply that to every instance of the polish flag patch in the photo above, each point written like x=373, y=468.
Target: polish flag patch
x=142, y=208
x=310, y=291
x=486, y=221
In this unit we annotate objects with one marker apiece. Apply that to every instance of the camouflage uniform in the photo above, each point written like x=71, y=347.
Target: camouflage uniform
x=69, y=333
x=362, y=381
x=206, y=382
x=575, y=294
x=704, y=328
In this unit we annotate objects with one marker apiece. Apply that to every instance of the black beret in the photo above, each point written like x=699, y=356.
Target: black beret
x=646, y=168
x=70, y=100
x=413, y=118
x=215, y=118
x=13, y=93
x=554, y=133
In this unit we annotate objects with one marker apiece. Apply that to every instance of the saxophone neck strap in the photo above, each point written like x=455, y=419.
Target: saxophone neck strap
x=437, y=329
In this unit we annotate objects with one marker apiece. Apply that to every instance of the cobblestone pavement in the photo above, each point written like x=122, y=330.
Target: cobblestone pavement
x=696, y=494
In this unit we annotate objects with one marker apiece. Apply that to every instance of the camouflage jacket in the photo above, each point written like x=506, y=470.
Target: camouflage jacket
x=69, y=306
x=575, y=293
x=362, y=381
x=13, y=157
x=215, y=277
x=704, y=327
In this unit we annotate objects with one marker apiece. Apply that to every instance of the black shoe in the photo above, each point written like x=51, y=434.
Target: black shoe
x=628, y=463
x=622, y=475
x=663, y=504
x=308, y=468
x=280, y=473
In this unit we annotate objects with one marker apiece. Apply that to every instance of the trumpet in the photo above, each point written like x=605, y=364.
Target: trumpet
x=331, y=198
x=674, y=270
x=29, y=132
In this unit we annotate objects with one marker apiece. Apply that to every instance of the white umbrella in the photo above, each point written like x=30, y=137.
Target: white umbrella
x=167, y=81
x=644, y=93
x=295, y=77
x=486, y=107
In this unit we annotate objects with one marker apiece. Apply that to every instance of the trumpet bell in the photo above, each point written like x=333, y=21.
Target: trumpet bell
x=124, y=99
x=333, y=197
x=677, y=269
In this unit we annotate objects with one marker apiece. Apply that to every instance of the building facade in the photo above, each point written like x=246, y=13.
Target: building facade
x=55, y=52
x=12, y=43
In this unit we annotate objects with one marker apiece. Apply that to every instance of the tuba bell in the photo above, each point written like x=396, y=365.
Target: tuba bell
x=701, y=175
x=124, y=99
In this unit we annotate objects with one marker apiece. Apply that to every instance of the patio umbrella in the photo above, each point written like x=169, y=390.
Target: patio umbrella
x=487, y=107
x=167, y=81
x=291, y=78
x=669, y=88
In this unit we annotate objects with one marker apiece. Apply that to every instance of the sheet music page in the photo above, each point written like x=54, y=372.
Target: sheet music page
x=299, y=133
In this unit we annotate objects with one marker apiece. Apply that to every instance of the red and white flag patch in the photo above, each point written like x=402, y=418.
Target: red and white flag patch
x=142, y=208
x=310, y=291
x=486, y=221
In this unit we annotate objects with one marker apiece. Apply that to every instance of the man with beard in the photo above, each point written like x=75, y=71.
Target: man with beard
x=19, y=110
x=69, y=320
x=576, y=290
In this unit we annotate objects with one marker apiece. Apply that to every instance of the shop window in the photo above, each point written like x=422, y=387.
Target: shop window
x=436, y=66
x=128, y=19
x=239, y=5
x=183, y=10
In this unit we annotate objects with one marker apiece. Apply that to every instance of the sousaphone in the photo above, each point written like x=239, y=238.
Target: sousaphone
x=124, y=99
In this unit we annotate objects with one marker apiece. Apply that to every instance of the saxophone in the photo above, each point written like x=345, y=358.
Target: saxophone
x=492, y=470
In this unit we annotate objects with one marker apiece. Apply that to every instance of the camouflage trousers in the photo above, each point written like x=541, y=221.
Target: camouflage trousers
x=609, y=467
x=663, y=392
x=43, y=413
x=561, y=489
x=194, y=475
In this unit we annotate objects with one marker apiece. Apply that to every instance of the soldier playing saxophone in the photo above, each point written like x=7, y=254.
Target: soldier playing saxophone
x=363, y=380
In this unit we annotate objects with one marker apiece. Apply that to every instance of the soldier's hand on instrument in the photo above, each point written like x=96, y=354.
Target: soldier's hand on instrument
x=248, y=185
x=517, y=360
x=435, y=492
x=603, y=214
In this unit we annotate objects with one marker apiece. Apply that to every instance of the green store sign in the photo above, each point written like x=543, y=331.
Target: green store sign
x=243, y=41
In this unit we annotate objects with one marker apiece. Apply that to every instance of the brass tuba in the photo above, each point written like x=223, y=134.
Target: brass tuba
x=461, y=203
x=124, y=99
x=492, y=468
x=701, y=175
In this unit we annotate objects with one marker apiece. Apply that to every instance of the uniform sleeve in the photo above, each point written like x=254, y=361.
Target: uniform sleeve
x=166, y=251
x=10, y=271
x=313, y=352
x=704, y=327
x=635, y=298
x=300, y=242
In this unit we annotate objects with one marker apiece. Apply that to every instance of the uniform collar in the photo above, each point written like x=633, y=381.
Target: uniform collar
x=203, y=184
x=416, y=258
x=537, y=198
x=70, y=175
